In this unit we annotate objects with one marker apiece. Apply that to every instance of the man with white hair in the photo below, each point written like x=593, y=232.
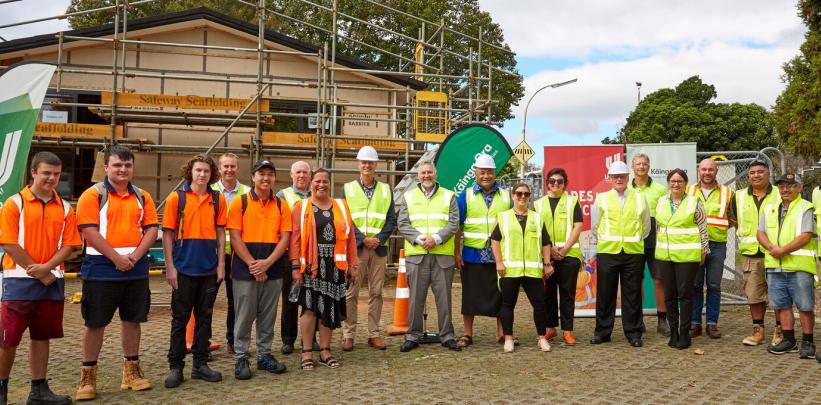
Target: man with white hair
x=619, y=221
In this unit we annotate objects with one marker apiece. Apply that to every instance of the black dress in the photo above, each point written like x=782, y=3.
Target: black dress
x=325, y=294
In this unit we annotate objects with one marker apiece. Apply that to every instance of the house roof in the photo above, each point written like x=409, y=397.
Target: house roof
x=209, y=15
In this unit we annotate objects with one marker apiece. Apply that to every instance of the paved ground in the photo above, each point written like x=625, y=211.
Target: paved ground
x=613, y=373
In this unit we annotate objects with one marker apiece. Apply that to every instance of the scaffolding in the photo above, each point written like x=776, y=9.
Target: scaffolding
x=458, y=100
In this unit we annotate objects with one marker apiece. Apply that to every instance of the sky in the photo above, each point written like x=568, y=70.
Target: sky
x=736, y=45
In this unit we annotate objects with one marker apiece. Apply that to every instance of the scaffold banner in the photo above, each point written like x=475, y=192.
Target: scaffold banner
x=455, y=158
x=23, y=90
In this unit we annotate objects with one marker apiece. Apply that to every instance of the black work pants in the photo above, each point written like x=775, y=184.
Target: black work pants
x=677, y=280
x=612, y=269
x=197, y=294
x=534, y=288
x=229, y=294
x=563, y=281
x=290, y=311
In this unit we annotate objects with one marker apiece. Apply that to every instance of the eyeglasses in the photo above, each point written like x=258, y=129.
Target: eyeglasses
x=522, y=194
x=557, y=182
x=785, y=185
x=677, y=181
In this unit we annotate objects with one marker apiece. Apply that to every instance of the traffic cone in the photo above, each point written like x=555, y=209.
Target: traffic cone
x=189, y=336
x=400, y=303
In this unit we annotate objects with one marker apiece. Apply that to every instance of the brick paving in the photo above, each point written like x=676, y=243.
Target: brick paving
x=611, y=373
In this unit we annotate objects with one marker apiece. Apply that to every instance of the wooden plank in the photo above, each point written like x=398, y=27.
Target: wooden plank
x=189, y=102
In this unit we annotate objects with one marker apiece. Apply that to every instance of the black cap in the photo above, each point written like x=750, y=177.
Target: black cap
x=788, y=178
x=759, y=162
x=263, y=163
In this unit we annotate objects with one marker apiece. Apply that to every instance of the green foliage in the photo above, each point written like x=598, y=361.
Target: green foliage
x=796, y=114
x=687, y=114
x=462, y=15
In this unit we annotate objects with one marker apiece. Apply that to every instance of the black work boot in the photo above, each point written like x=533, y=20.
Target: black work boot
x=41, y=395
x=203, y=372
x=4, y=391
x=175, y=378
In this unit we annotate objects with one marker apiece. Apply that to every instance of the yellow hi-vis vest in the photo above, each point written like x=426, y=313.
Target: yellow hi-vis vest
x=291, y=196
x=716, y=206
x=802, y=259
x=559, y=224
x=480, y=220
x=242, y=189
x=429, y=216
x=620, y=228
x=368, y=214
x=678, y=239
x=749, y=216
x=652, y=193
x=816, y=201
x=521, y=251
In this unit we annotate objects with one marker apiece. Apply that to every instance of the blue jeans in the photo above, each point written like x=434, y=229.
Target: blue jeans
x=711, y=271
x=791, y=287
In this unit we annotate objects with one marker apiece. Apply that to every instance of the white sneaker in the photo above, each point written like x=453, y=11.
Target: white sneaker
x=544, y=344
x=509, y=345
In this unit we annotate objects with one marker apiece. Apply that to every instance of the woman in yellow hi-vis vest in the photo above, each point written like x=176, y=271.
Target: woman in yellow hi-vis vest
x=681, y=245
x=521, y=247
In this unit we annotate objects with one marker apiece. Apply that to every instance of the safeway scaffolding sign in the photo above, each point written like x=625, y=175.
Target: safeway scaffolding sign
x=22, y=90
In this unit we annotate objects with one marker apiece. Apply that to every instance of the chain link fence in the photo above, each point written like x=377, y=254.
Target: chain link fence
x=732, y=172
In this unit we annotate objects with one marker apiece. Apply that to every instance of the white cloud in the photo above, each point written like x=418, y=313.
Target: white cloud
x=581, y=27
x=28, y=10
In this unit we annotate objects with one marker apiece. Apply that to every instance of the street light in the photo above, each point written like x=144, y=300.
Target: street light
x=524, y=119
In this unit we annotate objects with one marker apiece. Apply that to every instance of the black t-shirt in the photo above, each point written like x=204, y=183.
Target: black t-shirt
x=577, y=211
x=497, y=232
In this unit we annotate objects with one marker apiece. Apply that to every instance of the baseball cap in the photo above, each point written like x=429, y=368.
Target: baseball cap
x=263, y=163
x=788, y=178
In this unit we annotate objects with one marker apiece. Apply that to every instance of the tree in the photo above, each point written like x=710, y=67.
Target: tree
x=465, y=15
x=687, y=114
x=797, y=113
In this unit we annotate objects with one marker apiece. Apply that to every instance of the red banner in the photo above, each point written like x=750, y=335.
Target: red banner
x=586, y=168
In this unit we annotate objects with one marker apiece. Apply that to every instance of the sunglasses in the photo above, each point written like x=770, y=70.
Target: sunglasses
x=557, y=182
x=520, y=194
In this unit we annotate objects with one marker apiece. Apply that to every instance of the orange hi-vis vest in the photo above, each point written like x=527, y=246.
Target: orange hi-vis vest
x=342, y=227
x=717, y=208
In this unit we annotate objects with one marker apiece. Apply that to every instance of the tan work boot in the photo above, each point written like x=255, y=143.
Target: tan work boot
x=777, y=336
x=88, y=383
x=756, y=338
x=133, y=376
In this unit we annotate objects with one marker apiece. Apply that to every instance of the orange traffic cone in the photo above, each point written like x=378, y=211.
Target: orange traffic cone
x=400, y=303
x=189, y=336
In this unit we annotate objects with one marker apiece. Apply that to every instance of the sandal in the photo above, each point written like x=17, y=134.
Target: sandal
x=329, y=361
x=464, y=341
x=501, y=340
x=306, y=363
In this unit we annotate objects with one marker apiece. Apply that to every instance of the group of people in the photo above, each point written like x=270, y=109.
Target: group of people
x=310, y=250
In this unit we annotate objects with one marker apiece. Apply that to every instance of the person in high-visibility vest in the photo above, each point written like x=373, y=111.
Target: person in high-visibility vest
x=374, y=219
x=521, y=246
x=746, y=208
x=716, y=198
x=478, y=207
x=38, y=232
x=787, y=233
x=652, y=191
x=428, y=221
x=323, y=261
x=229, y=187
x=300, y=189
x=562, y=215
x=619, y=222
x=681, y=246
x=193, y=241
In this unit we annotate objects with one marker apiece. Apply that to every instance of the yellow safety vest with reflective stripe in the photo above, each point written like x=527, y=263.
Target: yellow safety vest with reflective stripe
x=480, y=220
x=802, y=259
x=521, y=251
x=620, y=228
x=816, y=202
x=559, y=224
x=652, y=193
x=429, y=216
x=678, y=239
x=291, y=197
x=717, y=209
x=242, y=189
x=368, y=214
x=748, y=217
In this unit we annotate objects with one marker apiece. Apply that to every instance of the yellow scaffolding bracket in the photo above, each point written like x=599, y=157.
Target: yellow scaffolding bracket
x=431, y=124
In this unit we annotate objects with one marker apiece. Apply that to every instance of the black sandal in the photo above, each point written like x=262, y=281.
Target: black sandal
x=464, y=341
x=307, y=364
x=329, y=361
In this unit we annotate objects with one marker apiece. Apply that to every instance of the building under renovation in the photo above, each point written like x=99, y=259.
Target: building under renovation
x=198, y=81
